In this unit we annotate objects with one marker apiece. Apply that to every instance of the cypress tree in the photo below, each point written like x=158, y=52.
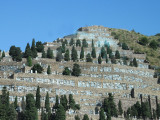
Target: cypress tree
x=88, y=58
x=15, y=102
x=43, y=54
x=29, y=61
x=99, y=59
x=39, y=46
x=64, y=101
x=78, y=43
x=84, y=43
x=47, y=103
x=49, y=70
x=71, y=102
x=3, y=54
x=23, y=104
x=132, y=92
x=12, y=114
x=92, y=44
x=38, y=68
x=145, y=110
x=71, y=42
x=85, y=117
x=117, y=55
x=135, y=62
x=82, y=53
x=38, y=98
x=93, y=52
x=60, y=113
x=28, y=51
x=67, y=55
x=33, y=49
x=57, y=102
x=49, y=53
x=31, y=110
x=103, y=52
x=74, y=54
x=101, y=114
x=76, y=71
x=66, y=71
x=120, y=110
x=63, y=49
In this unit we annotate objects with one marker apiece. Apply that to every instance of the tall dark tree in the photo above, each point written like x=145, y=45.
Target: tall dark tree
x=15, y=53
x=71, y=42
x=31, y=110
x=29, y=61
x=47, y=103
x=50, y=53
x=145, y=110
x=60, y=113
x=120, y=110
x=109, y=50
x=39, y=46
x=49, y=70
x=93, y=52
x=67, y=55
x=144, y=41
x=132, y=92
x=15, y=103
x=59, y=56
x=124, y=46
x=38, y=68
x=99, y=59
x=38, y=98
x=3, y=54
x=64, y=102
x=88, y=58
x=74, y=54
x=57, y=103
x=101, y=114
x=28, y=51
x=85, y=117
x=117, y=55
x=76, y=71
x=82, y=53
x=12, y=114
x=135, y=62
x=92, y=44
x=84, y=43
x=33, y=49
x=78, y=43
x=71, y=102
x=63, y=49
x=44, y=54
x=103, y=52
x=23, y=104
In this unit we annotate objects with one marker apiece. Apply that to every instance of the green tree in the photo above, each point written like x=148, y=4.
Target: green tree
x=82, y=53
x=76, y=117
x=120, y=110
x=76, y=71
x=28, y=51
x=144, y=41
x=67, y=55
x=117, y=55
x=15, y=53
x=101, y=114
x=71, y=42
x=74, y=54
x=23, y=104
x=84, y=43
x=63, y=49
x=57, y=102
x=33, y=49
x=44, y=54
x=99, y=59
x=38, y=68
x=47, y=103
x=153, y=44
x=135, y=62
x=29, y=61
x=3, y=54
x=31, y=110
x=158, y=111
x=39, y=46
x=38, y=98
x=49, y=53
x=49, y=70
x=124, y=46
x=109, y=50
x=92, y=44
x=59, y=56
x=145, y=110
x=113, y=60
x=78, y=43
x=93, y=52
x=85, y=117
x=66, y=71
x=88, y=58
x=71, y=102
x=60, y=113
x=103, y=52
x=64, y=102
x=12, y=114
x=15, y=102
x=132, y=92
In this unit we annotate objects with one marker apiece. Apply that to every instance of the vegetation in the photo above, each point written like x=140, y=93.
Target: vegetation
x=82, y=53
x=15, y=53
x=50, y=53
x=88, y=58
x=29, y=61
x=49, y=70
x=38, y=98
x=76, y=71
x=67, y=55
x=38, y=68
x=74, y=54
x=66, y=71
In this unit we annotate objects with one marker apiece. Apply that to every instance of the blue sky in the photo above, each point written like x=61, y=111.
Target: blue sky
x=46, y=20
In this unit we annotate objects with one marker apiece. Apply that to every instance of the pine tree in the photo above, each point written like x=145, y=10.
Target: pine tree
x=132, y=92
x=47, y=103
x=28, y=51
x=60, y=113
x=67, y=55
x=117, y=55
x=93, y=52
x=12, y=114
x=38, y=68
x=109, y=50
x=76, y=71
x=88, y=58
x=31, y=110
x=71, y=42
x=145, y=110
x=82, y=53
x=3, y=54
x=57, y=103
x=38, y=98
x=33, y=49
x=49, y=53
x=23, y=104
x=103, y=52
x=66, y=71
x=43, y=54
x=135, y=62
x=120, y=110
x=84, y=43
x=99, y=59
x=74, y=54
x=49, y=70
x=101, y=114
x=78, y=43
x=39, y=46
x=63, y=49
x=71, y=102
x=29, y=61
x=64, y=101
x=85, y=117
x=15, y=103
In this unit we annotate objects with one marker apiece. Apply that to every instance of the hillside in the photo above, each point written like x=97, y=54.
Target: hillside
x=132, y=38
